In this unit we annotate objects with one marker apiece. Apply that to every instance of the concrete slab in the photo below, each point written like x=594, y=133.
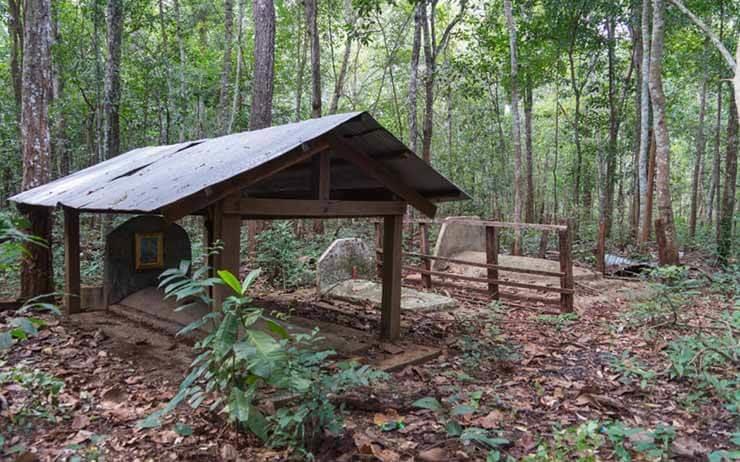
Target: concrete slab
x=456, y=237
x=363, y=291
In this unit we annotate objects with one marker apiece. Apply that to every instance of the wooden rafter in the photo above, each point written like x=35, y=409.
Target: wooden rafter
x=290, y=208
x=378, y=171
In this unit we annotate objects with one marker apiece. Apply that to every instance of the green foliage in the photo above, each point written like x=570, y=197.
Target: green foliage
x=631, y=368
x=586, y=443
x=278, y=254
x=40, y=394
x=672, y=293
x=239, y=361
x=558, y=321
x=454, y=406
x=707, y=360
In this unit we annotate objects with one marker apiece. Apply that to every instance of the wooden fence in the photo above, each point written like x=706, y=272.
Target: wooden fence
x=431, y=278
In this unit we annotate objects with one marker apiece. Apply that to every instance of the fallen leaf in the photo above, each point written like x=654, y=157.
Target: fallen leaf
x=434, y=455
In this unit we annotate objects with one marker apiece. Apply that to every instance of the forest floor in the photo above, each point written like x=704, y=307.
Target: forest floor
x=553, y=386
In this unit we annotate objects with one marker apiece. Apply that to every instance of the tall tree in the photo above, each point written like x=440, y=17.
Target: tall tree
x=528, y=155
x=349, y=22
x=112, y=84
x=644, y=215
x=607, y=206
x=223, y=96
x=313, y=34
x=516, y=125
x=699, y=157
x=727, y=216
x=263, y=12
x=36, y=270
x=669, y=252
x=414, y=78
x=432, y=51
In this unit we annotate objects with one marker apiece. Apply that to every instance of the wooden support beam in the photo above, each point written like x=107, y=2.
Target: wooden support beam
x=211, y=195
x=227, y=229
x=295, y=208
x=565, y=243
x=379, y=249
x=71, y=261
x=492, y=250
x=378, y=171
x=324, y=176
x=426, y=262
x=390, y=319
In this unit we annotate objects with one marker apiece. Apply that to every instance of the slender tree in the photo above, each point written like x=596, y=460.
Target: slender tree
x=263, y=12
x=727, y=216
x=516, y=124
x=644, y=220
x=223, y=98
x=669, y=252
x=112, y=84
x=699, y=157
x=313, y=33
x=36, y=270
x=414, y=77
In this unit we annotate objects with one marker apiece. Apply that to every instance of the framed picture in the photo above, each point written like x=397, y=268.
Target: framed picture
x=149, y=251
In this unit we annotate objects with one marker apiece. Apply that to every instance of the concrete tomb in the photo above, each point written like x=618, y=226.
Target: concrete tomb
x=136, y=253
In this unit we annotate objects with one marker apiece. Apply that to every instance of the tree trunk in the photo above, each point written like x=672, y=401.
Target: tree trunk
x=725, y=231
x=662, y=140
x=180, y=110
x=313, y=33
x=429, y=74
x=529, y=166
x=302, y=43
x=714, y=181
x=699, y=158
x=414, y=78
x=516, y=127
x=36, y=268
x=349, y=22
x=15, y=31
x=611, y=157
x=233, y=114
x=264, y=64
x=644, y=217
x=223, y=98
x=635, y=212
x=112, y=84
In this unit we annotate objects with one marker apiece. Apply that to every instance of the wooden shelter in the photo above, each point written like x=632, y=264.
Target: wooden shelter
x=344, y=165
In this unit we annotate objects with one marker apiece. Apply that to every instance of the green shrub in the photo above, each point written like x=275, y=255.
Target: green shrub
x=278, y=255
x=238, y=362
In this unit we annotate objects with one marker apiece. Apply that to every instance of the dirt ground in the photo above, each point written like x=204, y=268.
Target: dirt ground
x=538, y=374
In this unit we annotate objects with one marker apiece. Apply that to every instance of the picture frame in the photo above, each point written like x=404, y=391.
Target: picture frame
x=149, y=251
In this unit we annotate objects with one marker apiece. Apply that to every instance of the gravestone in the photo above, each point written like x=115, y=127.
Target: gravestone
x=455, y=238
x=344, y=259
x=121, y=278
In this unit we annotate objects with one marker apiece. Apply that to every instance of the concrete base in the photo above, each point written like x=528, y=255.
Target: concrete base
x=362, y=291
x=579, y=273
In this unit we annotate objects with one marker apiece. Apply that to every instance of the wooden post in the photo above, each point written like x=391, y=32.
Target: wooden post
x=492, y=250
x=378, y=249
x=601, y=249
x=565, y=241
x=226, y=228
x=208, y=258
x=426, y=279
x=390, y=320
x=71, y=261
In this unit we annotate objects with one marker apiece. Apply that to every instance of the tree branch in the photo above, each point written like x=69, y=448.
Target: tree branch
x=712, y=36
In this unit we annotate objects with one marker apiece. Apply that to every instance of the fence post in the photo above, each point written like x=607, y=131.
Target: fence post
x=492, y=259
x=426, y=279
x=565, y=240
x=378, y=249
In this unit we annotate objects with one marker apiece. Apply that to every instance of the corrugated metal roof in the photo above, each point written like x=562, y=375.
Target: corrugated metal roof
x=148, y=179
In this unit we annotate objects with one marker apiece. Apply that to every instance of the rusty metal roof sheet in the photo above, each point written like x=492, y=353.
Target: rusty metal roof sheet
x=147, y=179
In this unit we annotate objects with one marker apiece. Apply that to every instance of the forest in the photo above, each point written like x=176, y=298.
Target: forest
x=600, y=134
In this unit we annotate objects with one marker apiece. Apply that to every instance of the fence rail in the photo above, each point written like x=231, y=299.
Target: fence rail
x=430, y=278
